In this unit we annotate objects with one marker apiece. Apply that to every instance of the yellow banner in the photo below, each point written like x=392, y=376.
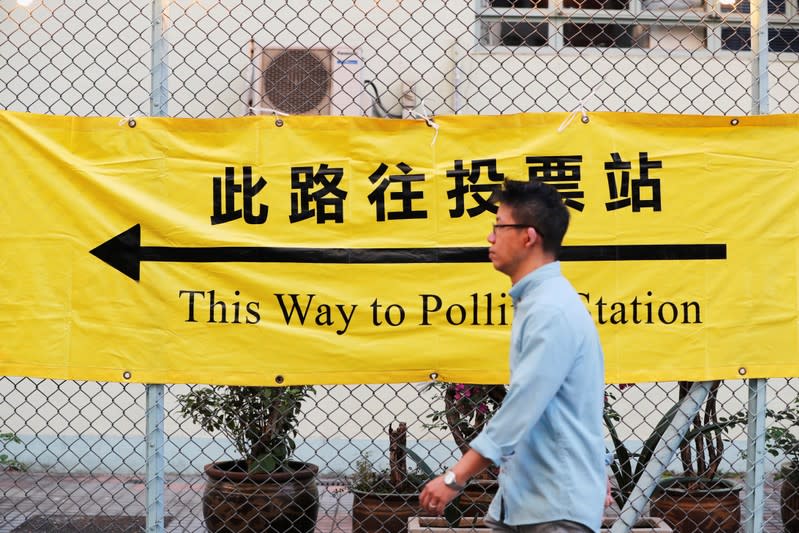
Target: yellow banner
x=353, y=250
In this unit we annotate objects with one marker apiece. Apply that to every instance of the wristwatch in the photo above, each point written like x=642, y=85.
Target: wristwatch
x=451, y=481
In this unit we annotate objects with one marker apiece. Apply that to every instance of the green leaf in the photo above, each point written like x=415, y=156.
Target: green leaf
x=424, y=467
x=621, y=466
x=264, y=463
x=649, y=446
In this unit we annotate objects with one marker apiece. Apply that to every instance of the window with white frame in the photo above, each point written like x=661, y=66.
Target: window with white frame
x=665, y=24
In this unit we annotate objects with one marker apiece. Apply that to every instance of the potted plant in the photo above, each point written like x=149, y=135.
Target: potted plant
x=263, y=489
x=467, y=409
x=781, y=441
x=384, y=499
x=698, y=499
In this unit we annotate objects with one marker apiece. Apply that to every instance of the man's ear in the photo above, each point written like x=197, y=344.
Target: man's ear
x=532, y=235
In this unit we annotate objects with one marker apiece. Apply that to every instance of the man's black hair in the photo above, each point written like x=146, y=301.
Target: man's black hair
x=540, y=205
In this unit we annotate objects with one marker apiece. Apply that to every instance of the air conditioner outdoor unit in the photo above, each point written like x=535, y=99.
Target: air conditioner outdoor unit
x=307, y=81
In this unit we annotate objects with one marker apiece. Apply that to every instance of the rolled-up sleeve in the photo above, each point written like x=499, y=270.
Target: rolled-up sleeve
x=540, y=361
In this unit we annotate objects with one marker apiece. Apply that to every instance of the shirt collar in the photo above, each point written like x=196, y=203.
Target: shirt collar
x=534, y=279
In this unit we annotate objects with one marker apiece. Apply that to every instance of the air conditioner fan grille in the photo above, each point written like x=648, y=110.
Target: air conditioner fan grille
x=297, y=81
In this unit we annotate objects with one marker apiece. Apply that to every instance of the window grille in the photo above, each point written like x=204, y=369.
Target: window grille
x=657, y=25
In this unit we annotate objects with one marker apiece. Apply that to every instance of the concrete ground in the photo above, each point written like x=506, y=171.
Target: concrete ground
x=71, y=503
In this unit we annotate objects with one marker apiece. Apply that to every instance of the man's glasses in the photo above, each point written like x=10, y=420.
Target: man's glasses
x=495, y=227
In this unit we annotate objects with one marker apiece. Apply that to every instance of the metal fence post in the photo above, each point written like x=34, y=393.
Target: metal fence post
x=760, y=45
x=754, y=502
x=155, y=458
x=159, y=91
x=159, y=97
x=754, y=479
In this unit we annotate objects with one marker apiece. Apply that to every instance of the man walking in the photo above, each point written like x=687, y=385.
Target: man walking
x=547, y=436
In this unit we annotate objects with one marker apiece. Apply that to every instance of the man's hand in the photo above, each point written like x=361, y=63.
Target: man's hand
x=436, y=495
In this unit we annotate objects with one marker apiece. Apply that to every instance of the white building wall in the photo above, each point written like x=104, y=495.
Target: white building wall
x=94, y=59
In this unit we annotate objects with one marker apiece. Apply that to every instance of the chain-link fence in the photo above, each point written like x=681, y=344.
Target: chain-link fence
x=85, y=456
x=386, y=57
x=77, y=459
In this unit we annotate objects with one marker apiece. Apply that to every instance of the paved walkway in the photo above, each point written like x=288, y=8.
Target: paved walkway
x=44, y=503
x=66, y=503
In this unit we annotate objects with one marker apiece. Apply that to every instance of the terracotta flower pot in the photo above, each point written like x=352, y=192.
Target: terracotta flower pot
x=693, y=505
x=789, y=500
x=282, y=502
x=376, y=512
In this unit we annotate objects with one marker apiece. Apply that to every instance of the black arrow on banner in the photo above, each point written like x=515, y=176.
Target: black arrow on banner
x=125, y=253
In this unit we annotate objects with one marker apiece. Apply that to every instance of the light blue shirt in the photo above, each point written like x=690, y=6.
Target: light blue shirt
x=547, y=437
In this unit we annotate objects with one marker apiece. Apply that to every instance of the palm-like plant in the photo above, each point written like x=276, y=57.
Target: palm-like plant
x=701, y=450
